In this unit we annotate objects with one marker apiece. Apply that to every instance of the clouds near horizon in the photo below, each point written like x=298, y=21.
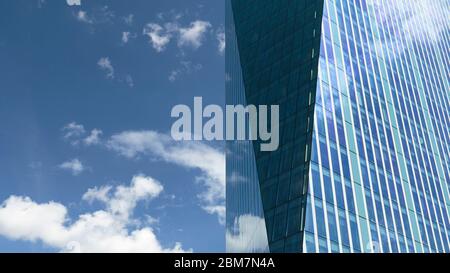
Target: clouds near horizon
x=106, y=230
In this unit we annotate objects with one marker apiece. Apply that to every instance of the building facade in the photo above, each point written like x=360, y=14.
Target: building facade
x=363, y=87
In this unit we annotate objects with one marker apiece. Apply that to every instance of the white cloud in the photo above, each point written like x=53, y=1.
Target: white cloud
x=93, y=138
x=186, y=67
x=124, y=199
x=82, y=16
x=150, y=220
x=125, y=36
x=236, y=177
x=105, y=230
x=98, y=15
x=106, y=65
x=75, y=166
x=191, y=36
x=72, y=132
x=104, y=15
x=248, y=235
x=129, y=19
x=159, y=38
x=414, y=21
x=73, y=2
x=129, y=80
x=75, y=134
x=220, y=36
x=227, y=77
x=194, y=34
x=97, y=194
x=73, y=129
x=173, y=75
x=219, y=210
x=210, y=161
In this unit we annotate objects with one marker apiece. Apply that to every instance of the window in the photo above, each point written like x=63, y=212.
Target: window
x=332, y=223
x=279, y=223
x=343, y=227
x=327, y=186
x=320, y=218
x=294, y=216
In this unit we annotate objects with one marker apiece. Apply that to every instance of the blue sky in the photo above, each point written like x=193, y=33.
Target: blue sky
x=86, y=159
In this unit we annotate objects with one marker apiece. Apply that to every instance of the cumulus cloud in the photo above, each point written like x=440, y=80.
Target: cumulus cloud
x=248, y=234
x=75, y=134
x=159, y=37
x=106, y=65
x=194, y=34
x=73, y=2
x=106, y=230
x=190, y=154
x=124, y=199
x=74, y=166
x=93, y=138
x=191, y=36
x=98, y=194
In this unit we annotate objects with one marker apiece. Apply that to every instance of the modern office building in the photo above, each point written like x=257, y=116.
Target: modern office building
x=363, y=163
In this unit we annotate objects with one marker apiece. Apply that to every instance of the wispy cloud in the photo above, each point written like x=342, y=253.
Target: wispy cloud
x=74, y=166
x=220, y=36
x=83, y=16
x=186, y=67
x=191, y=36
x=236, y=177
x=101, y=15
x=129, y=81
x=75, y=134
x=73, y=2
x=410, y=21
x=210, y=161
x=72, y=132
x=106, y=230
x=129, y=19
x=41, y=3
x=126, y=35
x=106, y=65
x=93, y=138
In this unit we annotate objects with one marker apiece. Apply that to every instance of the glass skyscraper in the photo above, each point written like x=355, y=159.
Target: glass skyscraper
x=363, y=163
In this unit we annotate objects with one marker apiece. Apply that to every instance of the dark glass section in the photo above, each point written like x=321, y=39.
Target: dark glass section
x=278, y=45
x=245, y=226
